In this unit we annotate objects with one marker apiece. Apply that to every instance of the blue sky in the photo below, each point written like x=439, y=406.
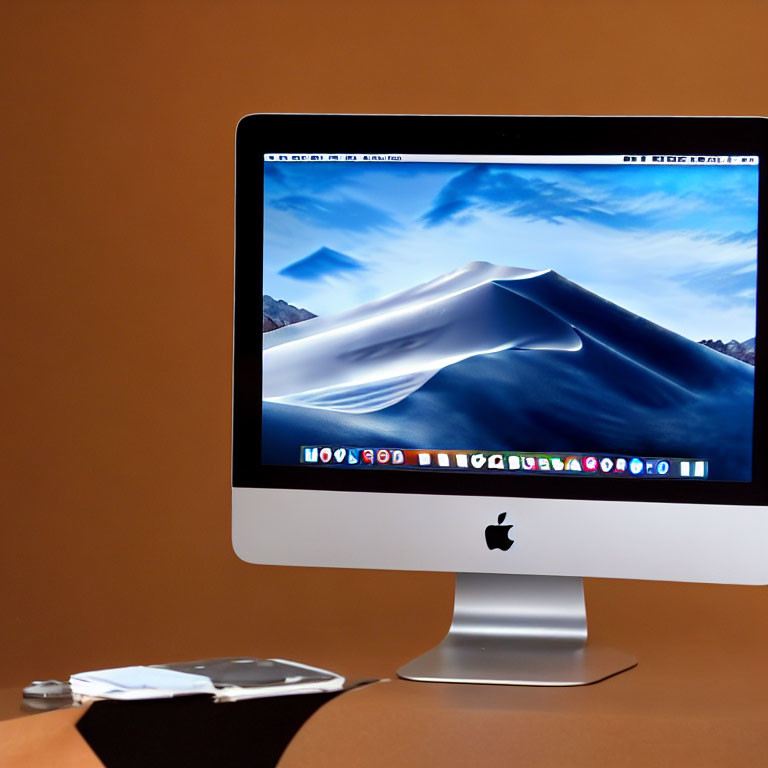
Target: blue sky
x=674, y=244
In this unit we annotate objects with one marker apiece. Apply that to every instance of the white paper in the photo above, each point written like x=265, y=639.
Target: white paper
x=139, y=683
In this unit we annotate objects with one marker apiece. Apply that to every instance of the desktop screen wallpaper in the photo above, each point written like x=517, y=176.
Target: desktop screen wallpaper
x=555, y=308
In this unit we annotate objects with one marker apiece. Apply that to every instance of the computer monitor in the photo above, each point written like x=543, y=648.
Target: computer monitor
x=522, y=349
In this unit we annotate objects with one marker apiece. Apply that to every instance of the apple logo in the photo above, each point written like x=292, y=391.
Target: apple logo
x=497, y=536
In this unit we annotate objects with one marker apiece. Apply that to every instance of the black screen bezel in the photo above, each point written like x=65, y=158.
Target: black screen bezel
x=418, y=134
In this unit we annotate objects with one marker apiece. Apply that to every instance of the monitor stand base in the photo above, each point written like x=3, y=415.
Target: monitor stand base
x=517, y=630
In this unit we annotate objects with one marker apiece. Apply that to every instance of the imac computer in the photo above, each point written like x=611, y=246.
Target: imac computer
x=521, y=349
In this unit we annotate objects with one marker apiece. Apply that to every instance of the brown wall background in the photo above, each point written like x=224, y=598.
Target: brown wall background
x=116, y=140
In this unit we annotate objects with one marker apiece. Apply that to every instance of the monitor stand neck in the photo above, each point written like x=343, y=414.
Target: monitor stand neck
x=517, y=630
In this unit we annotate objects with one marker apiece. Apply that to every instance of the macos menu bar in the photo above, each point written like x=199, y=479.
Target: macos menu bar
x=650, y=159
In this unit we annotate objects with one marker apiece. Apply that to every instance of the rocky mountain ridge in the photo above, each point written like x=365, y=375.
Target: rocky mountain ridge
x=741, y=350
x=279, y=313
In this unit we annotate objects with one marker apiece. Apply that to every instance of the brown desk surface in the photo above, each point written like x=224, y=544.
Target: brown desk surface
x=698, y=697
